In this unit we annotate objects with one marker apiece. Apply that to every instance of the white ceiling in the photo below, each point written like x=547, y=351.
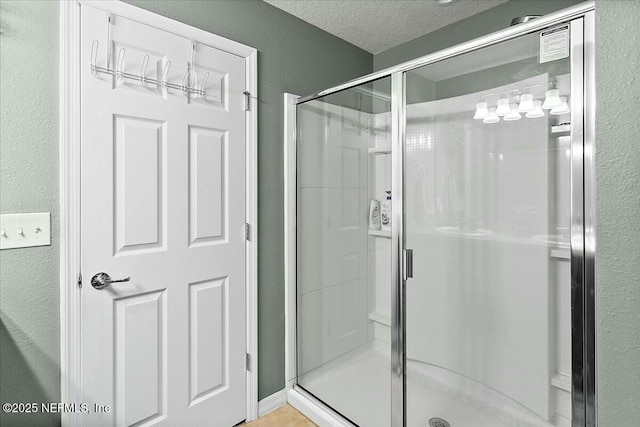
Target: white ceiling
x=378, y=25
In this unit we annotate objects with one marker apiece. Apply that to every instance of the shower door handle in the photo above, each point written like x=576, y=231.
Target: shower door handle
x=407, y=263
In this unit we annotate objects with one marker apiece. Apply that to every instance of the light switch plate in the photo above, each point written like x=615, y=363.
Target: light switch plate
x=25, y=230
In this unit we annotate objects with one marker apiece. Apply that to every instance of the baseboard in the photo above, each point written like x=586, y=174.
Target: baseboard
x=272, y=402
x=319, y=415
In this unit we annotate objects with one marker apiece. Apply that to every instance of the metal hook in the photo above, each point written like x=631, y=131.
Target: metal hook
x=202, y=83
x=165, y=74
x=108, y=40
x=120, y=67
x=193, y=51
x=185, y=81
x=143, y=70
x=94, y=57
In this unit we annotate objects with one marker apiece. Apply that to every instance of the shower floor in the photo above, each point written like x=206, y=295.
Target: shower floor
x=358, y=386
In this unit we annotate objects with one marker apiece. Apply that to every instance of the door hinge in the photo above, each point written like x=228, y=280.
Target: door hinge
x=248, y=361
x=247, y=101
x=80, y=280
x=247, y=231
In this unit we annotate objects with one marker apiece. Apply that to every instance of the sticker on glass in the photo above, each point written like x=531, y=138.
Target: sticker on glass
x=554, y=44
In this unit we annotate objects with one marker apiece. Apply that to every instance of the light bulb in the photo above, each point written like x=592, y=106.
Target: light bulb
x=503, y=107
x=513, y=114
x=563, y=108
x=481, y=111
x=526, y=103
x=491, y=117
x=551, y=99
x=536, y=112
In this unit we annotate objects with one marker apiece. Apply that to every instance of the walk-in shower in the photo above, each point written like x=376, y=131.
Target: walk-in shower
x=474, y=306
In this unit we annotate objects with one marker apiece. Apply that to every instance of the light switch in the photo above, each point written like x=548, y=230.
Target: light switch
x=25, y=230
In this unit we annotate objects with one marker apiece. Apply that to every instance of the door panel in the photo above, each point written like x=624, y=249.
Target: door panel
x=140, y=358
x=139, y=147
x=163, y=201
x=487, y=215
x=343, y=262
x=208, y=334
x=207, y=185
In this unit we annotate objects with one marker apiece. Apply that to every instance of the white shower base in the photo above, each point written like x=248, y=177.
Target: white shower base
x=358, y=386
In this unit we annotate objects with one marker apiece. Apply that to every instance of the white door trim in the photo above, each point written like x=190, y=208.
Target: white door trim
x=69, y=163
x=290, y=238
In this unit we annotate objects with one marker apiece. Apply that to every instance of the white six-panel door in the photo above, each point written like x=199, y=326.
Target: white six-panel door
x=162, y=201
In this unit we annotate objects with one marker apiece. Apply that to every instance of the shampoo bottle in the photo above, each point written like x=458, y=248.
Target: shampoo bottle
x=374, y=215
x=386, y=212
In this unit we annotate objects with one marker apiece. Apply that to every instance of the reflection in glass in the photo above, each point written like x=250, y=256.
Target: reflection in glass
x=487, y=217
x=551, y=99
x=537, y=111
x=513, y=114
x=344, y=264
x=492, y=116
x=481, y=111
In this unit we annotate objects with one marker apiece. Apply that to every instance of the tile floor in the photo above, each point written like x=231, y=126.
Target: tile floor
x=287, y=416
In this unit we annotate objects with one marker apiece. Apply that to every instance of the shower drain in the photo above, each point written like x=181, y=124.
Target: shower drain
x=438, y=422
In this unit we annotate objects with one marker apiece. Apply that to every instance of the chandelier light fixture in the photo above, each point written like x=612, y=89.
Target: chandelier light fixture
x=513, y=104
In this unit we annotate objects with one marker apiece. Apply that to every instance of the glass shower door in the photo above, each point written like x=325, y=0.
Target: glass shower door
x=487, y=186
x=344, y=252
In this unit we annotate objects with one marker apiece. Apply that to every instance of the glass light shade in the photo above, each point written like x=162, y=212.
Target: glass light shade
x=563, y=108
x=551, y=99
x=526, y=103
x=513, y=114
x=492, y=117
x=503, y=107
x=481, y=111
x=536, y=112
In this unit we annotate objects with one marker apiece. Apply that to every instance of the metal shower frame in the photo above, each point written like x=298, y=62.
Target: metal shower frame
x=583, y=222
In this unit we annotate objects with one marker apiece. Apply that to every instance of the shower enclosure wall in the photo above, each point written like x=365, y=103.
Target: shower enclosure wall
x=474, y=307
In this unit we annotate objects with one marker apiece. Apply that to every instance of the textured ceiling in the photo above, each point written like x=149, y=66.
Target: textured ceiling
x=377, y=25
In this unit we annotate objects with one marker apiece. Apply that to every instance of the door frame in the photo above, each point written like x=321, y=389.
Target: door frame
x=70, y=181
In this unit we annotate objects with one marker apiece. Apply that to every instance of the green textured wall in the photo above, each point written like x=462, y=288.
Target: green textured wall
x=494, y=19
x=618, y=212
x=298, y=58
x=29, y=296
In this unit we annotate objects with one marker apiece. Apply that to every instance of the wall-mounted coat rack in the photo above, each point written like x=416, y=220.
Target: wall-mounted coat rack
x=121, y=74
